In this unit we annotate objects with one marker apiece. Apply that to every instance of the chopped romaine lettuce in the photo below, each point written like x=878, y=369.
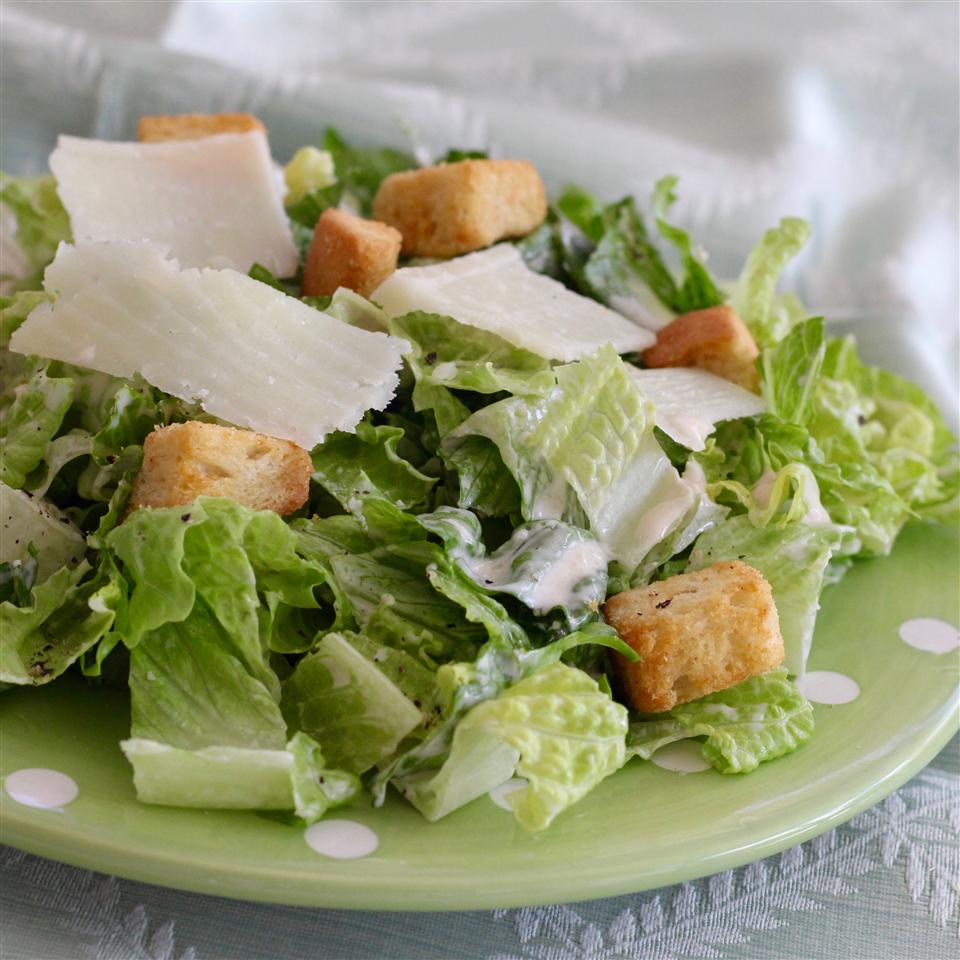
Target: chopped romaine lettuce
x=294, y=777
x=27, y=521
x=352, y=466
x=349, y=706
x=66, y=615
x=793, y=559
x=586, y=452
x=563, y=733
x=42, y=223
x=309, y=169
x=697, y=289
x=768, y=317
x=755, y=721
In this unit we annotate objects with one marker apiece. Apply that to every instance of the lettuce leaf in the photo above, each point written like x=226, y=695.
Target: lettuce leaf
x=448, y=354
x=791, y=372
x=307, y=170
x=876, y=445
x=626, y=268
x=498, y=666
x=66, y=616
x=697, y=289
x=366, y=463
x=548, y=565
x=586, y=453
x=27, y=521
x=768, y=317
x=358, y=172
x=294, y=777
x=31, y=421
x=793, y=558
x=565, y=734
x=755, y=721
x=42, y=223
x=345, y=703
x=239, y=564
x=188, y=689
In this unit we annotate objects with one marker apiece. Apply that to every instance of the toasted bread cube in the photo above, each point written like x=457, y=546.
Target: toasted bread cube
x=348, y=251
x=194, y=126
x=716, y=340
x=186, y=460
x=696, y=633
x=456, y=208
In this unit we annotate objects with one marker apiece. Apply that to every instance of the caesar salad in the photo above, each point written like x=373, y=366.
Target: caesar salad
x=365, y=475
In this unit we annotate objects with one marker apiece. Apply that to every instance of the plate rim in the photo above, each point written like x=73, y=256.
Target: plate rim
x=182, y=873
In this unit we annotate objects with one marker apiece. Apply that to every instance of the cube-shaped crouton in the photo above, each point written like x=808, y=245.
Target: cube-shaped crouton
x=348, y=251
x=194, y=126
x=186, y=460
x=716, y=340
x=696, y=633
x=456, y=208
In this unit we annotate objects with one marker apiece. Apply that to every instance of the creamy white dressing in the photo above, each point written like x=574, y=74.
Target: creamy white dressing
x=444, y=371
x=828, y=687
x=551, y=501
x=695, y=478
x=687, y=429
x=723, y=710
x=341, y=839
x=499, y=794
x=339, y=674
x=763, y=488
x=930, y=635
x=557, y=586
x=816, y=515
x=683, y=756
x=41, y=788
x=16, y=263
x=661, y=519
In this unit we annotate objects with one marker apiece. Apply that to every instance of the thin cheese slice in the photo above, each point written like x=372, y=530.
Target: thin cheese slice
x=690, y=402
x=494, y=290
x=248, y=353
x=214, y=201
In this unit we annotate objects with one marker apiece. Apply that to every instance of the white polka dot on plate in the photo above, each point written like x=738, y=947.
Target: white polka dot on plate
x=825, y=686
x=929, y=635
x=684, y=756
x=41, y=788
x=341, y=839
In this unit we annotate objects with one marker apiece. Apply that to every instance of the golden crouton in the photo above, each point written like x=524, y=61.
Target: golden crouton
x=349, y=252
x=186, y=460
x=194, y=126
x=716, y=340
x=457, y=208
x=696, y=633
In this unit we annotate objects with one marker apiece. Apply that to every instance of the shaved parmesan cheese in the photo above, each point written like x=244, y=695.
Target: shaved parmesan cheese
x=247, y=352
x=213, y=201
x=495, y=290
x=26, y=520
x=690, y=402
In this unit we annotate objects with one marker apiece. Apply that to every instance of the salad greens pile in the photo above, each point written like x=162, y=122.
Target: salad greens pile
x=431, y=619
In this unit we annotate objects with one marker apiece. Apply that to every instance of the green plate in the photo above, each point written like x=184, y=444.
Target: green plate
x=644, y=827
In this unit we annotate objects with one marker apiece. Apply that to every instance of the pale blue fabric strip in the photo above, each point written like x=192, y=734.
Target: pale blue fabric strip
x=882, y=886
